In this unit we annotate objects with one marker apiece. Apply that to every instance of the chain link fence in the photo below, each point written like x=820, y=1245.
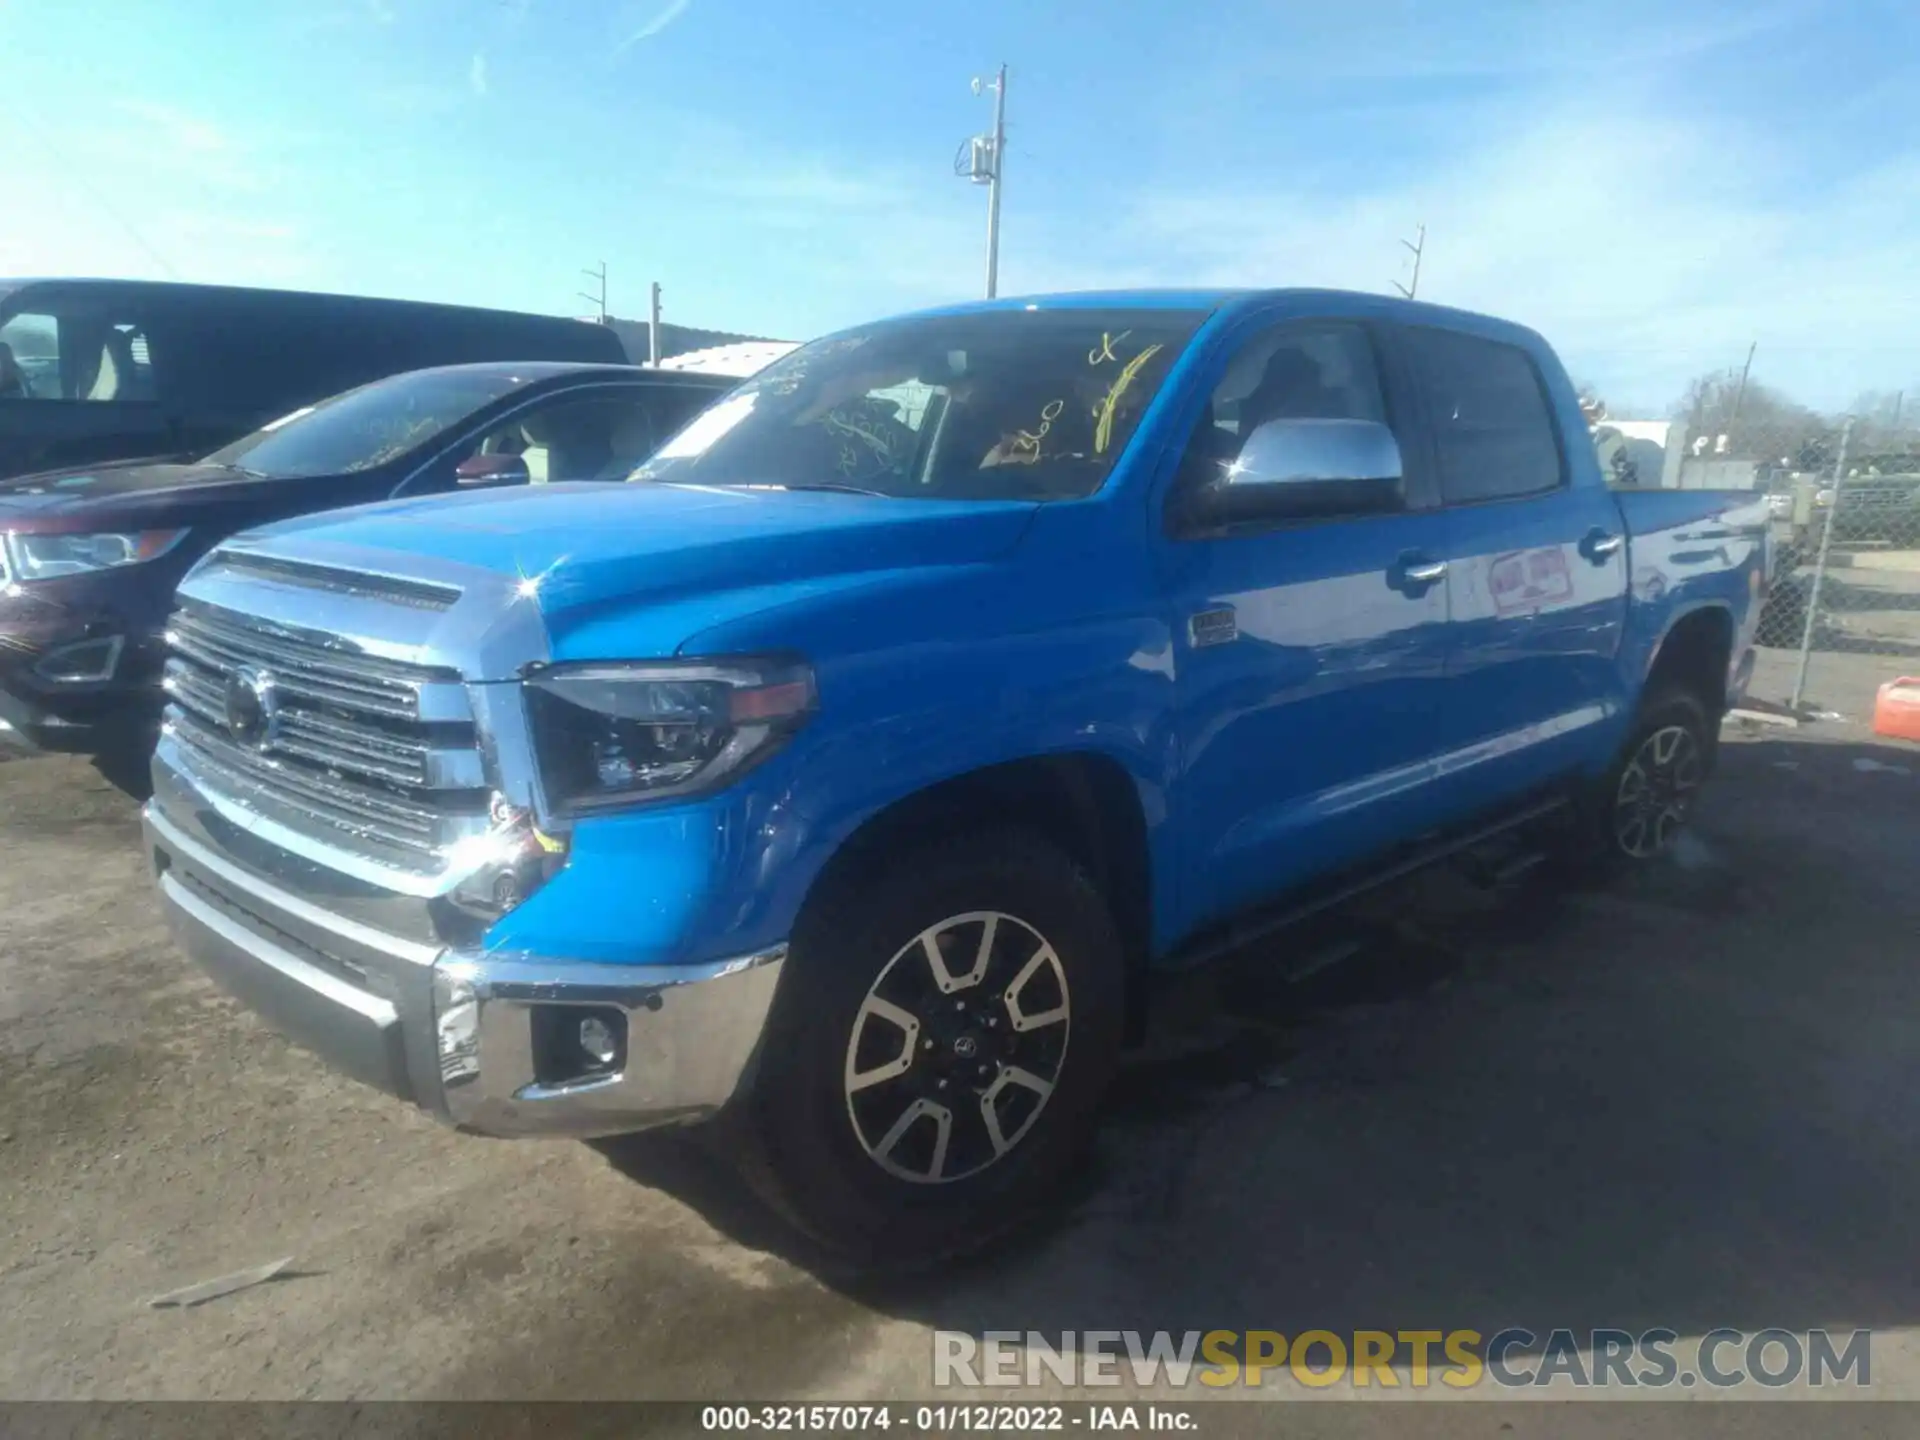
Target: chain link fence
x=1842, y=495
x=1843, y=615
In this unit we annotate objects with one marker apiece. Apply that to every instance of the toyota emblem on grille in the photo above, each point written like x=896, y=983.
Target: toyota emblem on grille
x=253, y=706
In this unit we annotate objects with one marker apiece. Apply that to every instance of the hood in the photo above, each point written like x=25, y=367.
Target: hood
x=130, y=493
x=588, y=547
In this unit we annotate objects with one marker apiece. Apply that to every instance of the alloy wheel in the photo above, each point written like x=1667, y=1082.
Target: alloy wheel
x=1656, y=791
x=957, y=1047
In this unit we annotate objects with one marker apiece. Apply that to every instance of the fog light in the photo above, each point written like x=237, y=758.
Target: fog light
x=598, y=1041
x=578, y=1044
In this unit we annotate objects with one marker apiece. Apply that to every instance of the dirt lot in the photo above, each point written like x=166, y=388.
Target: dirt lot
x=1689, y=1101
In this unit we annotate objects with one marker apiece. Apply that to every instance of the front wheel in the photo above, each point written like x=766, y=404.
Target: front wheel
x=947, y=1023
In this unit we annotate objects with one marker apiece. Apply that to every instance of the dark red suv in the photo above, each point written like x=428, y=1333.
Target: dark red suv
x=89, y=557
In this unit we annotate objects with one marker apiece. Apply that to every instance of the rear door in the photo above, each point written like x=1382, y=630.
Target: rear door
x=1536, y=569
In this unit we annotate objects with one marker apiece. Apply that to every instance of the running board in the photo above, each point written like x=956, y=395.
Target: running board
x=1245, y=932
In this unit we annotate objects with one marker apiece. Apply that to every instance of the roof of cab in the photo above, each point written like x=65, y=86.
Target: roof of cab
x=1213, y=301
x=1098, y=300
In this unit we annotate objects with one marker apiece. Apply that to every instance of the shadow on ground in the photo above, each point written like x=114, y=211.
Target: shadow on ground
x=1682, y=1100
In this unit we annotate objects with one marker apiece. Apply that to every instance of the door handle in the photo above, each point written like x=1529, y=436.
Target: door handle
x=1424, y=572
x=1599, y=546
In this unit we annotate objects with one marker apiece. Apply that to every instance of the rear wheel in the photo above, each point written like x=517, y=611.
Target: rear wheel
x=1646, y=799
x=944, y=1031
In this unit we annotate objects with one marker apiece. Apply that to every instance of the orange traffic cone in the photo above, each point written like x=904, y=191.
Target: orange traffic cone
x=1896, y=713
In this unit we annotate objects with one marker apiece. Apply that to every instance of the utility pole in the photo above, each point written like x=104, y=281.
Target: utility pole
x=1418, y=248
x=1740, y=394
x=983, y=162
x=653, y=323
x=599, y=299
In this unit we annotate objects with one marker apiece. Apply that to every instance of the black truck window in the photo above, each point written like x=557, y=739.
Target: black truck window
x=1489, y=413
x=76, y=355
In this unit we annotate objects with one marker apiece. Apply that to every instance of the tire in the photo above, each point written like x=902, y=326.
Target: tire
x=1646, y=798
x=855, y=1152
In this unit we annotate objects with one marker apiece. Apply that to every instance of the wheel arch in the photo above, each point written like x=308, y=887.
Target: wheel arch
x=1695, y=653
x=1085, y=802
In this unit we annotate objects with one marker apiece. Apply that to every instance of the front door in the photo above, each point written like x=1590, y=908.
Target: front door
x=1310, y=656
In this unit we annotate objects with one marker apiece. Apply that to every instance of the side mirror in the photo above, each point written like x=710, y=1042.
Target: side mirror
x=481, y=470
x=1306, y=470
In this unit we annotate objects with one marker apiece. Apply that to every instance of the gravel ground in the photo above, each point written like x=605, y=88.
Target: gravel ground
x=1686, y=1101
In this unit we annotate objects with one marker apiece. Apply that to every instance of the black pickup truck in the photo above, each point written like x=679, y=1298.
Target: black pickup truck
x=94, y=370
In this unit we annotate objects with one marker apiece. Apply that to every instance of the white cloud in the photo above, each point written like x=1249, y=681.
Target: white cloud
x=162, y=141
x=177, y=129
x=1647, y=248
x=477, y=75
x=150, y=190
x=673, y=11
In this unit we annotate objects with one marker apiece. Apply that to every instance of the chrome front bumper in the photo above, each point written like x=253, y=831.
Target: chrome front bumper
x=455, y=1032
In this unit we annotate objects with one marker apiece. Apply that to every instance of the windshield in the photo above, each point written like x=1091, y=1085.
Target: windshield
x=365, y=427
x=993, y=405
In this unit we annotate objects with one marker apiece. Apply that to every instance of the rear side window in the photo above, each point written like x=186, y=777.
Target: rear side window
x=74, y=354
x=1489, y=413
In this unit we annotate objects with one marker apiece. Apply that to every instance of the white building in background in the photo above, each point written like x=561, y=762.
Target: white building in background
x=1657, y=455
x=742, y=359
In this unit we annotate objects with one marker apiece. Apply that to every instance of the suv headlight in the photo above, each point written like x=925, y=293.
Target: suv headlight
x=609, y=734
x=43, y=557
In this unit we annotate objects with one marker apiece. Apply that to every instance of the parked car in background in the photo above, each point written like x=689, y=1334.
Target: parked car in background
x=843, y=781
x=94, y=370
x=1875, y=510
x=89, y=557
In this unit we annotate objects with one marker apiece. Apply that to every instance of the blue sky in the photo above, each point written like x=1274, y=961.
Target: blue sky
x=1654, y=185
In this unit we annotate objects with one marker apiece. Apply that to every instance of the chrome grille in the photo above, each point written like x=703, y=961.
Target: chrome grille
x=374, y=755
x=221, y=642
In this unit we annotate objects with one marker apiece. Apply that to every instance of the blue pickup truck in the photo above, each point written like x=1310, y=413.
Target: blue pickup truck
x=839, y=780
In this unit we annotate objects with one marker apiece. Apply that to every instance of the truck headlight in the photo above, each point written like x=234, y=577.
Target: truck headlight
x=609, y=734
x=43, y=557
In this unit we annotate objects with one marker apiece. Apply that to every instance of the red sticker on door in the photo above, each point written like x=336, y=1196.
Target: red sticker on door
x=1530, y=580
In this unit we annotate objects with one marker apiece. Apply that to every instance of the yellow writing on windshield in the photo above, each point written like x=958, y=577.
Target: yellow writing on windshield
x=1103, y=429
x=850, y=430
x=1026, y=443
